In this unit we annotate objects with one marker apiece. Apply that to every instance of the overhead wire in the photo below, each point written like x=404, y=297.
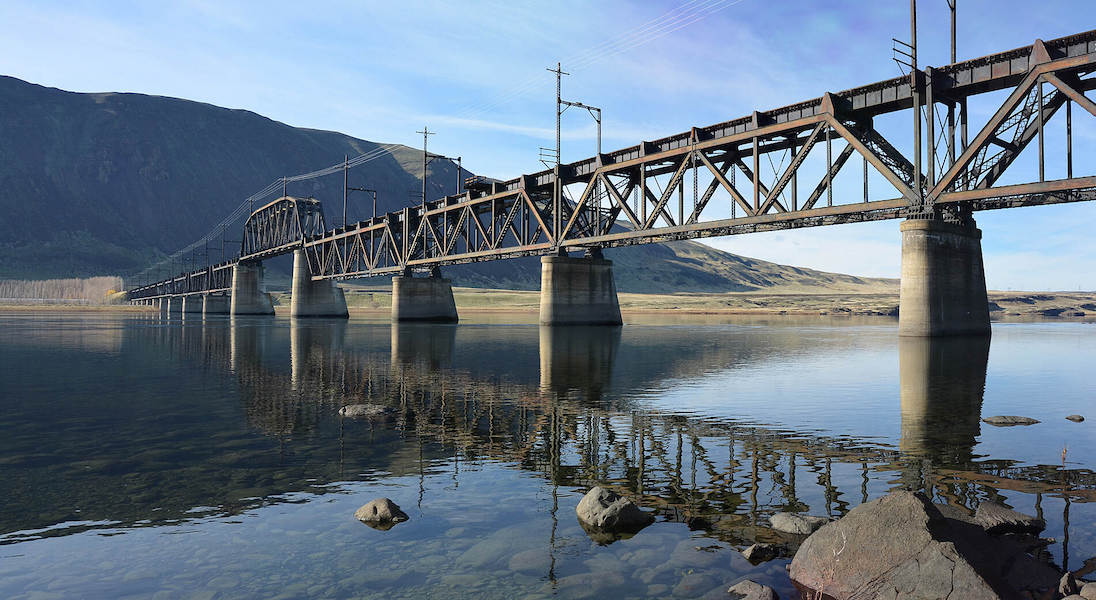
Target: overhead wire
x=680, y=16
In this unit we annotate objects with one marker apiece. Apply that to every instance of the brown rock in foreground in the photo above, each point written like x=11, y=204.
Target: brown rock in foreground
x=381, y=513
x=901, y=547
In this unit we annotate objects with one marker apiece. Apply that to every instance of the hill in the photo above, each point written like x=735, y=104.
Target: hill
x=107, y=183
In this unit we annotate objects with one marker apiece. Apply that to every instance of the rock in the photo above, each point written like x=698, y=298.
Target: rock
x=796, y=523
x=608, y=511
x=1009, y=420
x=1074, y=597
x=996, y=519
x=693, y=585
x=1088, y=591
x=1067, y=585
x=358, y=411
x=957, y=513
x=381, y=513
x=1076, y=418
x=763, y=552
x=901, y=547
x=750, y=590
x=535, y=561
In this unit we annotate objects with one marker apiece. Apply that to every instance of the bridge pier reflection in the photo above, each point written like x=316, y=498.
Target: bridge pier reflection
x=577, y=358
x=942, y=381
x=314, y=347
x=429, y=345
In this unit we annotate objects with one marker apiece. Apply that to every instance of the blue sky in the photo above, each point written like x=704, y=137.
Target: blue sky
x=475, y=73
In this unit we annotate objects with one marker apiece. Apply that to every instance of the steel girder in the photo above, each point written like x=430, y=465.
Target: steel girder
x=281, y=227
x=638, y=195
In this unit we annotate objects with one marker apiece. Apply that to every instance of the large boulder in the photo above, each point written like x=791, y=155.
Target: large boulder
x=900, y=547
x=381, y=513
x=607, y=511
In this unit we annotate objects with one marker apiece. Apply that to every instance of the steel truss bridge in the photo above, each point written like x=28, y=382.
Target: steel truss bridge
x=639, y=195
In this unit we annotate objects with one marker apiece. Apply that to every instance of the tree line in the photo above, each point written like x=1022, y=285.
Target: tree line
x=90, y=290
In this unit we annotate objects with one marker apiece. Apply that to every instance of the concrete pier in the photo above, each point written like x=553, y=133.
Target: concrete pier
x=943, y=290
x=193, y=304
x=162, y=306
x=578, y=291
x=424, y=299
x=174, y=305
x=248, y=297
x=314, y=298
x=216, y=304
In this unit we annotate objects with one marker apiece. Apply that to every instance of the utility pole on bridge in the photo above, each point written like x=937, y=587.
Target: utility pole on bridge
x=425, y=133
x=557, y=189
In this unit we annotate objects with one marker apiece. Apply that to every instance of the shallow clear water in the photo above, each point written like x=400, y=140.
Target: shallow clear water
x=142, y=457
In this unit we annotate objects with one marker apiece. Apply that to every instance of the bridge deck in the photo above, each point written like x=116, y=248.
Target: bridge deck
x=637, y=195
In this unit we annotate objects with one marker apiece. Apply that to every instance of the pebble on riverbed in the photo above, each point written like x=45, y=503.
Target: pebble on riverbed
x=356, y=411
x=1009, y=420
x=751, y=590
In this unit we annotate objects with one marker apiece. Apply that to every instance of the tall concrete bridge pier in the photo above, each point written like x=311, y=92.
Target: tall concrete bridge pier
x=248, y=297
x=311, y=298
x=424, y=299
x=943, y=285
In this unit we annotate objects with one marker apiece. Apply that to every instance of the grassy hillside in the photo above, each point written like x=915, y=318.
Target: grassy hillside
x=107, y=183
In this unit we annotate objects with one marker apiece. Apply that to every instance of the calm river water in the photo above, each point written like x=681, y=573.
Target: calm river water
x=142, y=457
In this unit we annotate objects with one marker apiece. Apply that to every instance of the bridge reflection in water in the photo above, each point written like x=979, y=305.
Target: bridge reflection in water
x=557, y=413
x=577, y=406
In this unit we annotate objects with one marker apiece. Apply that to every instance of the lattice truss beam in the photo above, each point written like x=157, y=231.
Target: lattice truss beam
x=281, y=227
x=819, y=162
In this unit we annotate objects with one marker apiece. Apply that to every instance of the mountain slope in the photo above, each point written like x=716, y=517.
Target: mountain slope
x=107, y=183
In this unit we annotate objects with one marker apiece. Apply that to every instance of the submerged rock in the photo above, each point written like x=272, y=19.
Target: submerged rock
x=608, y=511
x=1075, y=418
x=751, y=590
x=381, y=513
x=1067, y=585
x=357, y=411
x=796, y=523
x=995, y=518
x=1009, y=420
x=763, y=552
x=901, y=547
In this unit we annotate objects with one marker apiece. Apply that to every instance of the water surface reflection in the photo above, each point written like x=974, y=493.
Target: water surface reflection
x=715, y=427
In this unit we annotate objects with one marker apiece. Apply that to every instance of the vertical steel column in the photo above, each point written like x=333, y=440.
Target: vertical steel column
x=930, y=122
x=1039, y=89
x=1069, y=138
x=756, y=175
x=829, y=168
x=916, y=93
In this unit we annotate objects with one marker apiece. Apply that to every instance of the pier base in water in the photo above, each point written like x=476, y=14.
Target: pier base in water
x=312, y=298
x=943, y=289
x=248, y=297
x=578, y=291
x=423, y=299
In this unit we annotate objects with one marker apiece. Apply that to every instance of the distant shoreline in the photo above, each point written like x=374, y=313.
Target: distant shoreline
x=1003, y=305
